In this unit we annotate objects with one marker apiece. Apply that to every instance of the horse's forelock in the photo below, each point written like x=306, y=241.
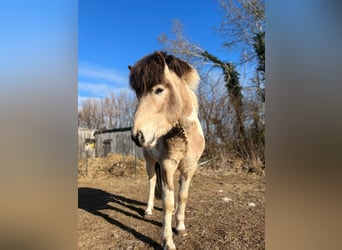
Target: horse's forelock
x=147, y=72
x=177, y=65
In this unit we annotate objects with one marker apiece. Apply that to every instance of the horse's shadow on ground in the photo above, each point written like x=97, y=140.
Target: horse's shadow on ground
x=94, y=200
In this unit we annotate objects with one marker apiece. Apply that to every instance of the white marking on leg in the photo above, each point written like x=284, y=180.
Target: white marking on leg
x=182, y=198
x=168, y=205
x=152, y=185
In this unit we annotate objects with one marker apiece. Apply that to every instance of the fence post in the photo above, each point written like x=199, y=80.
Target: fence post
x=135, y=160
x=87, y=165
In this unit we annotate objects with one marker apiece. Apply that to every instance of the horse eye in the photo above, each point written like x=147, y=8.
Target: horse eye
x=158, y=91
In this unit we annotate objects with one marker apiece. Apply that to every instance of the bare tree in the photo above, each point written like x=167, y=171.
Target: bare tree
x=88, y=116
x=114, y=111
x=234, y=121
x=124, y=106
x=206, y=61
x=241, y=21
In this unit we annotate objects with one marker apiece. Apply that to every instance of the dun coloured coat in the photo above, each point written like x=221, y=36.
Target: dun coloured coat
x=166, y=125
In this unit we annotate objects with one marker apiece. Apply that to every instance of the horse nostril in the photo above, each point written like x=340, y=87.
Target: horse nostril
x=138, y=138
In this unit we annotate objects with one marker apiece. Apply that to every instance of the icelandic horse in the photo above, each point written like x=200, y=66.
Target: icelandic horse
x=166, y=125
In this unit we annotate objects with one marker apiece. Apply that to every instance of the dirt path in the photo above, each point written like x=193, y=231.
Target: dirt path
x=224, y=211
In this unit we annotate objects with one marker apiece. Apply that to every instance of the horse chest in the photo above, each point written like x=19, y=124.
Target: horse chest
x=174, y=148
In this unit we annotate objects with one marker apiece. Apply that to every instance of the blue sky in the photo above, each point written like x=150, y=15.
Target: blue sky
x=113, y=34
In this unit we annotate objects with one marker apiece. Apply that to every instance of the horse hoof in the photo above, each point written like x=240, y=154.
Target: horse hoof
x=147, y=216
x=182, y=233
x=169, y=247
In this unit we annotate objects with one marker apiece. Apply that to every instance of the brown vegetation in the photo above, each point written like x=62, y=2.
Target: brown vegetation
x=110, y=166
x=225, y=210
x=231, y=94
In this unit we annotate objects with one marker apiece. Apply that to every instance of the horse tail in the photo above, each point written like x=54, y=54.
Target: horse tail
x=158, y=190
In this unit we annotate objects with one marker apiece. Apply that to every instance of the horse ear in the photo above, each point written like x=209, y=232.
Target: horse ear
x=130, y=67
x=192, y=78
x=166, y=70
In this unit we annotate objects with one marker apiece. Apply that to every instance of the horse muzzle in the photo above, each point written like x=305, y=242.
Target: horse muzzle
x=140, y=140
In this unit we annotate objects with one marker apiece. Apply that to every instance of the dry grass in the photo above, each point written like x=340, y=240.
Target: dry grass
x=218, y=215
x=112, y=165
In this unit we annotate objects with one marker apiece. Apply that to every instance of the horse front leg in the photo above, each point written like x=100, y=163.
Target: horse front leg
x=168, y=170
x=150, y=168
x=184, y=183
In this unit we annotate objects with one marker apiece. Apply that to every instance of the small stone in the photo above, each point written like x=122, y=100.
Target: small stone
x=226, y=199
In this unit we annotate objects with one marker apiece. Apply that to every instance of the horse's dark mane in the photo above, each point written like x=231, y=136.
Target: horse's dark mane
x=149, y=71
x=177, y=65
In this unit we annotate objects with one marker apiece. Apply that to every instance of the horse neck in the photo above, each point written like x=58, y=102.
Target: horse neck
x=189, y=110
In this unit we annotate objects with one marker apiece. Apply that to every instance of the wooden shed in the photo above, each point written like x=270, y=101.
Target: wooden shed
x=118, y=141
x=86, y=143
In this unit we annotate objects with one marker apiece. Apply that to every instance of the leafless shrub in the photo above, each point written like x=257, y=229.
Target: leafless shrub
x=113, y=111
x=232, y=115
